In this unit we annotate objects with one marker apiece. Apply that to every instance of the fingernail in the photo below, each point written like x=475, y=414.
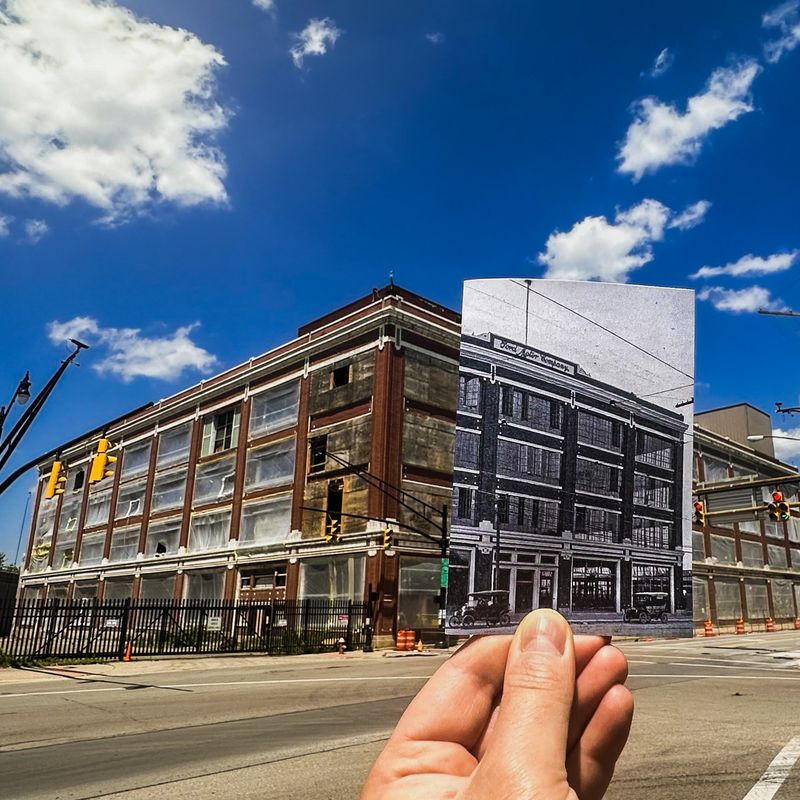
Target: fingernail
x=545, y=632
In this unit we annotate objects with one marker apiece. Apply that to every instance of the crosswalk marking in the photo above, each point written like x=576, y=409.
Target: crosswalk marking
x=777, y=772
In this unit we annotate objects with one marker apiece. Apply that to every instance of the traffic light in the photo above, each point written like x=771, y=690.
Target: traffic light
x=333, y=529
x=778, y=509
x=388, y=538
x=101, y=462
x=699, y=512
x=58, y=478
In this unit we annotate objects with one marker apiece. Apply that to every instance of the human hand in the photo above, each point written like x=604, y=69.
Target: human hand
x=538, y=715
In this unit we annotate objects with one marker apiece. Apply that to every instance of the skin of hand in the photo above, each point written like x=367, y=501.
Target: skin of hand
x=541, y=715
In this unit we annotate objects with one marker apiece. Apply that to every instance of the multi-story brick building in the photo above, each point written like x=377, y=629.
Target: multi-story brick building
x=568, y=491
x=211, y=492
x=745, y=565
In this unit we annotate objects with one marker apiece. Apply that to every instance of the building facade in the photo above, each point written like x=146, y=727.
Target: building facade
x=231, y=489
x=567, y=491
x=745, y=565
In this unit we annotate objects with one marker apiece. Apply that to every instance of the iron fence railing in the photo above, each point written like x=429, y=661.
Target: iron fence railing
x=107, y=629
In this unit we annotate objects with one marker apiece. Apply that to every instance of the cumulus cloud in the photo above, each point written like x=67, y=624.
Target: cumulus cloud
x=741, y=301
x=596, y=249
x=314, y=39
x=661, y=134
x=751, y=265
x=786, y=449
x=264, y=5
x=786, y=18
x=101, y=106
x=35, y=229
x=662, y=63
x=129, y=354
x=435, y=38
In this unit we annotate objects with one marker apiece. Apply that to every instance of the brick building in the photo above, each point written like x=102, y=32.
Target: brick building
x=568, y=491
x=744, y=563
x=208, y=494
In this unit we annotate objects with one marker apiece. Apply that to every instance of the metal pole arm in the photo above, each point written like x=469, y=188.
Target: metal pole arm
x=427, y=536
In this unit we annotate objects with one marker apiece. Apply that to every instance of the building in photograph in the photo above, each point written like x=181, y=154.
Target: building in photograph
x=567, y=490
x=244, y=486
x=745, y=565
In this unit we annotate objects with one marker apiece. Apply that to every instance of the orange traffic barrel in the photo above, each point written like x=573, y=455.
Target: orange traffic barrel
x=770, y=625
x=739, y=625
x=797, y=623
x=405, y=640
x=708, y=630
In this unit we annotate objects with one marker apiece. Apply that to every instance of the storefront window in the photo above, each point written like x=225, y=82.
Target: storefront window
x=418, y=595
x=783, y=599
x=757, y=601
x=457, y=579
x=647, y=578
x=701, y=607
x=84, y=590
x=593, y=585
x=335, y=578
x=118, y=589
x=157, y=587
x=205, y=586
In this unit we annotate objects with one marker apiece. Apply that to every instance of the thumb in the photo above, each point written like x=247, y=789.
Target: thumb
x=528, y=750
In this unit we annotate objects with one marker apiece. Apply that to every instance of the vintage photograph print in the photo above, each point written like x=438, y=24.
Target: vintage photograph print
x=572, y=485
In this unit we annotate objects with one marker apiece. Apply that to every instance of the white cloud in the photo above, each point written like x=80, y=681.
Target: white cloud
x=35, y=229
x=104, y=107
x=661, y=134
x=662, y=63
x=751, y=265
x=131, y=355
x=314, y=39
x=264, y=5
x=4, y=222
x=741, y=301
x=787, y=449
x=435, y=38
x=691, y=216
x=596, y=249
x=786, y=18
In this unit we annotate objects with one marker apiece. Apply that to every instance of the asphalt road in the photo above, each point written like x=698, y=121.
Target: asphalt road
x=711, y=716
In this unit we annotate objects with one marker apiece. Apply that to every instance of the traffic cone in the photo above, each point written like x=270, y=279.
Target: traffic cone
x=420, y=646
x=127, y=656
x=739, y=625
x=708, y=630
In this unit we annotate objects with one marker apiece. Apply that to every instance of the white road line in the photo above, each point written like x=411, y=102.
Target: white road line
x=692, y=676
x=281, y=681
x=727, y=666
x=635, y=661
x=777, y=772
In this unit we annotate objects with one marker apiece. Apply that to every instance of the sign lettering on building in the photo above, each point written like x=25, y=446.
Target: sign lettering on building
x=533, y=355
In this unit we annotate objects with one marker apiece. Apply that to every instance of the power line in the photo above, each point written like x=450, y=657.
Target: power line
x=602, y=327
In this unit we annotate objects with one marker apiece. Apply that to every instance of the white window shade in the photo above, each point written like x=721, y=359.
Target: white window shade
x=268, y=522
x=98, y=508
x=214, y=481
x=130, y=500
x=274, y=409
x=136, y=459
x=92, y=549
x=169, y=490
x=173, y=445
x=124, y=544
x=271, y=465
x=210, y=531
x=163, y=538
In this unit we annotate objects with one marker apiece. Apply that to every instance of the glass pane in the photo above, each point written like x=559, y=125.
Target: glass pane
x=729, y=601
x=214, y=481
x=723, y=549
x=757, y=601
x=271, y=465
x=274, y=409
x=163, y=538
x=169, y=490
x=99, y=506
x=124, y=544
x=92, y=546
x=268, y=522
x=130, y=502
x=335, y=578
x=136, y=459
x=157, y=587
x=418, y=592
x=207, y=586
x=210, y=531
x=118, y=589
x=752, y=554
x=173, y=445
x=783, y=599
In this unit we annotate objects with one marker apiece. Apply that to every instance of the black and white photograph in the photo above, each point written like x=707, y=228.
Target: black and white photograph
x=572, y=483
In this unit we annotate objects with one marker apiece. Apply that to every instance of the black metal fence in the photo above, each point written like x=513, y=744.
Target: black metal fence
x=109, y=629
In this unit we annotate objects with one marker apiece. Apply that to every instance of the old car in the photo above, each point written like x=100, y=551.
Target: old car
x=647, y=607
x=489, y=607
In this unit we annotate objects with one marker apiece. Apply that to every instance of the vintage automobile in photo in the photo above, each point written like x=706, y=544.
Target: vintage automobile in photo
x=489, y=607
x=647, y=607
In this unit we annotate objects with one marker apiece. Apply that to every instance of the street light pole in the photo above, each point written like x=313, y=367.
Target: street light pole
x=21, y=395
x=14, y=437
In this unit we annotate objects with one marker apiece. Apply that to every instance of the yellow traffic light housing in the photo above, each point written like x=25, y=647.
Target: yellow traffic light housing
x=333, y=529
x=101, y=462
x=57, y=480
x=388, y=538
x=779, y=509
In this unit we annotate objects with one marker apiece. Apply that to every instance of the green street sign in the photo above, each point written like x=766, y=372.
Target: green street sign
x=445, y=567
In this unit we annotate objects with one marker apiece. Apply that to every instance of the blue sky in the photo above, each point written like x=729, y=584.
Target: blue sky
x=183, y=201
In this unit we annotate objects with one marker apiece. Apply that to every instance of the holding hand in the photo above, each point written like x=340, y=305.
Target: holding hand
x=538, y=715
